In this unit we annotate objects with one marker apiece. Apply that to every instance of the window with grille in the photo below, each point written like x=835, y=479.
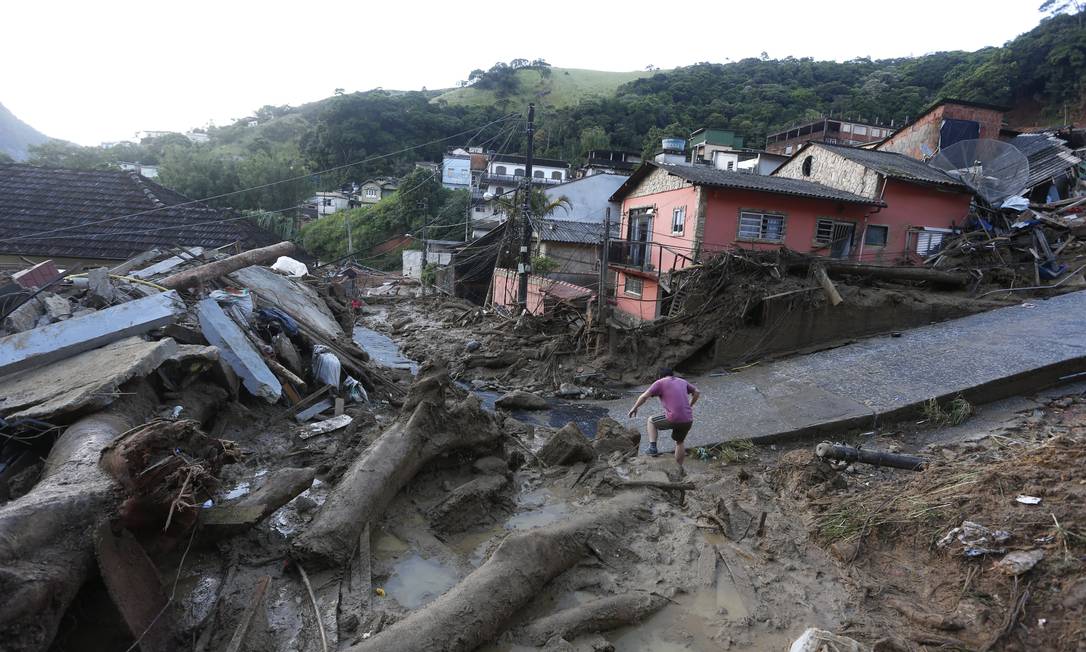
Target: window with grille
x=876, y=235
x=823, y=231
x=678, y=219
x=761, y=226
x=634, y=285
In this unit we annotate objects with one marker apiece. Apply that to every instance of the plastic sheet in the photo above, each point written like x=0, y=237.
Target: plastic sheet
x=326, y=366
x=290, y=267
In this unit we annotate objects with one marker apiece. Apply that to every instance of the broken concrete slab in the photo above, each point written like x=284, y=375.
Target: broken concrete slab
x=135, y=261
x=57, y=307
x=237, y=351
x=42, y=346
x=81, y=382
x=291, y=296
x=25, y=317
x=164, y=266
x=99, y=289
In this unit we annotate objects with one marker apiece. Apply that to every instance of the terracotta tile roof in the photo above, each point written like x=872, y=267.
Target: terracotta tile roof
x=703, y=175
x=109, y=215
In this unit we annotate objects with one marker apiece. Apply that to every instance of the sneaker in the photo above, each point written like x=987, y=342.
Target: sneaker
x=652, y=450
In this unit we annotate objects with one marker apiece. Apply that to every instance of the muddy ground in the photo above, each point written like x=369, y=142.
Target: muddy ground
x=852, y=551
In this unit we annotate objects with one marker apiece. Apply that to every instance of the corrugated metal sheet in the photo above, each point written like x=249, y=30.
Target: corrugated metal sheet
x=1048, y=156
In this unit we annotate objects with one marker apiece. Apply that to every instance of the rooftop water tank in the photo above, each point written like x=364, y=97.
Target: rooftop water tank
x=674, y=143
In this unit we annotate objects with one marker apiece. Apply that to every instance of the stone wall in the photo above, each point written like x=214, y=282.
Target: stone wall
x=657, y=181
x=833, y=171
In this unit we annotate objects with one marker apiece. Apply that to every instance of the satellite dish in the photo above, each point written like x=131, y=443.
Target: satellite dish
x=993, y=169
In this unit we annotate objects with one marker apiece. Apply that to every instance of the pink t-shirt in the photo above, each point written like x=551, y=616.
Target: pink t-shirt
x=672, y=393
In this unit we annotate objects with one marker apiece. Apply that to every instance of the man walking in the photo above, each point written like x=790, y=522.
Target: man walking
x=678, y=414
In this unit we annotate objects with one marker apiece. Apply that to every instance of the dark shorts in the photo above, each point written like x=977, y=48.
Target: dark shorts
x=678, y=430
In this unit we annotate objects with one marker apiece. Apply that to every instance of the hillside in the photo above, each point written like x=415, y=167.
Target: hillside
x=16, y=135
x=564, y=87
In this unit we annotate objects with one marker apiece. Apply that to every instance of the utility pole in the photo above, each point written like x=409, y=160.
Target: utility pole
x=601, y=295
x=425, y=246
x=525, y=266
x=350, y=247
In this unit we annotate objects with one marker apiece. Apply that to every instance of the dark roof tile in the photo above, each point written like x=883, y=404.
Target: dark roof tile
x=109, y=215
x=893, y=165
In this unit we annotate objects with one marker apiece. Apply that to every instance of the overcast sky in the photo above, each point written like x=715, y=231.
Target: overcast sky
x=100, y=70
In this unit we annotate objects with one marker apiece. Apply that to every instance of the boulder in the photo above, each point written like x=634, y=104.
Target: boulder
x=1020, y=561
x=490, y=465
x=567, y=446
x=56, y=307
x=24, y=318
x=612, y=436
x=520, y=400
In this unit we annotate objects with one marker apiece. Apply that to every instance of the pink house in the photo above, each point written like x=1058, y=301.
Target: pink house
x=673, y=215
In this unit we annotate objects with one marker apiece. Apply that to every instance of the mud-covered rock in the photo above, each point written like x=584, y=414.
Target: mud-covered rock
x=612, y=436
x=491, y=465
x=466, y=505
x=567, y=445
x=520, y=400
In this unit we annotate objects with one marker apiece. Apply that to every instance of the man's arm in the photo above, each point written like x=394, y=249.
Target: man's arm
x=640, y=401
x=694, y=396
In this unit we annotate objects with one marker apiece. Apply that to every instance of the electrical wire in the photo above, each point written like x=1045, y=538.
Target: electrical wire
x=36, y=236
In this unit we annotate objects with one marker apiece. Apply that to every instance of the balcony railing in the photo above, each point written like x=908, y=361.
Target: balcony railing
x=509, y=179
x=651, y=257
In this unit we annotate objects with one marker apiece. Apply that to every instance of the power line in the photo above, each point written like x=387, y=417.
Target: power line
x=36, y=236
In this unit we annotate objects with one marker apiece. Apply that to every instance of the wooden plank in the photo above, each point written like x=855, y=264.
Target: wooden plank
x=237, y=641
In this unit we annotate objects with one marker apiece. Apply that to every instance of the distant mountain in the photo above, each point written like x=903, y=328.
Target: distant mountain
x=16, y=136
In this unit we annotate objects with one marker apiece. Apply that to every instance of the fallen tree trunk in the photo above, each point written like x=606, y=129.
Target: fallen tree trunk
x=886, y=272
x=477, y=609
x=46, y=537
x=212, y=271
x=390, y=463
x=594, y=616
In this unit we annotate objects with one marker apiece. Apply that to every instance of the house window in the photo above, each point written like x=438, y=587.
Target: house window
x=928, y=241
x=876, y=235
x=519, y=172
x=327, y=202
x=371, y=192
x=847, y=128
x=678, y=219
x=538, y=174
x=823, y=231
x=859, y=130
x=761, y=226
x=480, y=209
x=807, y=166
x=557, y=176
x=499, y=169
x=634, y=285
x=731, y=165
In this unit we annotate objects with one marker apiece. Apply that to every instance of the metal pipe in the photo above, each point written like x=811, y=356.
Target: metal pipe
x=844, y=453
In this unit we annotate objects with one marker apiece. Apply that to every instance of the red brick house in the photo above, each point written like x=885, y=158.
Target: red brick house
x=921, y=203
x=944, y=124
x=675, y=214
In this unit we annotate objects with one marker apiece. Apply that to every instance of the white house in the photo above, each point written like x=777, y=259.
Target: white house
x=330, y=202
x=149, y=171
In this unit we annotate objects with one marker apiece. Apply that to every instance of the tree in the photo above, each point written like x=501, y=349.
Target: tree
x=1054, y=7
x=540, y=204
x=594, y=137
x=62, y=154
x=5, y=158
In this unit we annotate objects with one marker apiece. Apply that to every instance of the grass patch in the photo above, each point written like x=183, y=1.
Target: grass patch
x=730, y=452
x=951, y=414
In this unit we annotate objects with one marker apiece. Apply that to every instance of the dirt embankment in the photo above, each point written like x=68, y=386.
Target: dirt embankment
x=983, y=550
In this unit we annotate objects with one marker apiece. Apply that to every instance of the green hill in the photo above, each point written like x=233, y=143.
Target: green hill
x=16, y=136
x=564, y=87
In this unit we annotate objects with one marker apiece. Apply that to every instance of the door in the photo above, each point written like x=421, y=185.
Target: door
x=639, y=233
x=841, y=242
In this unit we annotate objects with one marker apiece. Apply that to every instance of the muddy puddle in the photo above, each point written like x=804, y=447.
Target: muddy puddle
x=558, y=414
x=383, y=350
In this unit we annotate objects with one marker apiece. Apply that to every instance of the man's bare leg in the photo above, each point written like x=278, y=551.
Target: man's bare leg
x=651, y=427
x=680, y=452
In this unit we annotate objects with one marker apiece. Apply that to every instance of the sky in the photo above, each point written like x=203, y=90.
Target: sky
x=95, y=71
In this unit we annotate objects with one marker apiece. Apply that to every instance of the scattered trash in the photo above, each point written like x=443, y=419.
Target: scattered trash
x=290, y=267
x=976, y=539
x=1028, y=500
x=819, y=640
x=326, y=366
